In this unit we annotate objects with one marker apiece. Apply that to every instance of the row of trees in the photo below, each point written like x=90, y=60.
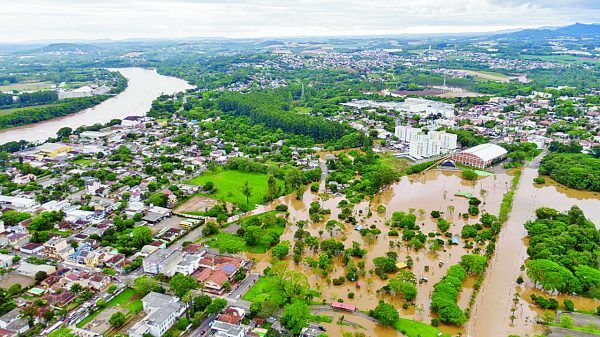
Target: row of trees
x=37, y=114
x=27, y=99
x=275, y=110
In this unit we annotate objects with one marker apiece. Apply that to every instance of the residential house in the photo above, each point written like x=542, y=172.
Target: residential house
x=162, y=311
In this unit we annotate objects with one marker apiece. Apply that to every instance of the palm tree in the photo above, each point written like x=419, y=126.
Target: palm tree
x=247, y=191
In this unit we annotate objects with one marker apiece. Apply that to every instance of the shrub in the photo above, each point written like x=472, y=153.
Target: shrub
x=468, y=174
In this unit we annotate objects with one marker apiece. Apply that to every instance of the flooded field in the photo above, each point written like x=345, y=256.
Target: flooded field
x=420, y=194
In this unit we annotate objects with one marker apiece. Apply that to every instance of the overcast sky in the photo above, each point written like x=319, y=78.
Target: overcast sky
x=24, y=20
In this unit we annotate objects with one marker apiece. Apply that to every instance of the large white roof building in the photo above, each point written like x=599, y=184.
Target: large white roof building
x=481, y=156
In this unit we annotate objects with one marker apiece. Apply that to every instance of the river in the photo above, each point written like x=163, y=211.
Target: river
x=143, y=87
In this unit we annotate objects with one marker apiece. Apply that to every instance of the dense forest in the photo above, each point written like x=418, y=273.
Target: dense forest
x=274, y=109
x=576, y=170
x=564, y=249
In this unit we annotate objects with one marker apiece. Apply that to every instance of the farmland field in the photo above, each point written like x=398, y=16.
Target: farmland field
x=26, y=86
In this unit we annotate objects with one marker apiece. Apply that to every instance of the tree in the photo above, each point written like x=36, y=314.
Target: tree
x=552, y=276
x=76, y=288
x=384, y=265
x=64, y=132
x=144, y=284
x=100, y=303
x=281, y=250
x=158, y=199
x=117, y=319
x=247, y=191
x=252, y=235
x=14, y=289
x=209, y=229
x=141, y=236
x=217, y=305
x=569, y=305
x=404, y=289
x=6, y=302
x=180, y=284
x=295, y=316
x=272, y=188
x=385, y=313
x=566, y=321
x=468, y=174
x=267, y=309
x=182, y=323
x=474, y=264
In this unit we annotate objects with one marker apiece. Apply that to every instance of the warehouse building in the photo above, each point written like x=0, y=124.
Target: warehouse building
x=481, y=156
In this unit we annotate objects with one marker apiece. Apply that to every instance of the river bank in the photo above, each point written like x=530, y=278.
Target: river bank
x=144, y=85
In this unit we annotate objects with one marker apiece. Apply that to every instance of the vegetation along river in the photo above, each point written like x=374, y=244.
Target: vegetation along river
x=143, y=87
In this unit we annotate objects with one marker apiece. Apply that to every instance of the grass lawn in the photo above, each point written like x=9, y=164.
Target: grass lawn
x=266, y=288
x=412, y=328
x=26, y=86
x=128, y=299
x=399, y=164
x=84, y=161
x=228, y=185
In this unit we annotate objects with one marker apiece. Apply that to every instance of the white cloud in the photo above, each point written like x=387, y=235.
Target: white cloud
x=118, y=19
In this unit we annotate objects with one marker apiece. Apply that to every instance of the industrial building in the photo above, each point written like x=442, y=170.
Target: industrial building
x=481, y=156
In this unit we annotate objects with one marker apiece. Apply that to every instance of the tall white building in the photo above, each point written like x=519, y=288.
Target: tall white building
x=422, y=145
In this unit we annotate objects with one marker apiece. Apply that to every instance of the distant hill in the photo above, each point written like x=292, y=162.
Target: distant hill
x=578, y=30
x=69, y=48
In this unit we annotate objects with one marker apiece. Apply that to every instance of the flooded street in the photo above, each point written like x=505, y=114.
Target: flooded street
x=420, y=194
x=143, y=87
x=492, y=311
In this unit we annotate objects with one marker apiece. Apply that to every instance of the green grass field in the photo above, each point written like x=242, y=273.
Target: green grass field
x=266, y=288
x=84, y=161
x=412, y=328
x=128, y=299
x=26, y=86
x=228, y=185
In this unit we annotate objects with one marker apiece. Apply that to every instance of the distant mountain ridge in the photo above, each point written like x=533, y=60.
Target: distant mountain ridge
x=579, y=30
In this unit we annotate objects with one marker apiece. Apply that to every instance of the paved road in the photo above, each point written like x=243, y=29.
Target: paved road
x=244, y=286
x=204, y=328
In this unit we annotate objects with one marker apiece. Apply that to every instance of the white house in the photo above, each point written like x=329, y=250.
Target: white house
x=162, y=311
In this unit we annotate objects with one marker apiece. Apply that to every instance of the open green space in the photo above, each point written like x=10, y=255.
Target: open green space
x=83, y=161
x=26, y=86
x=412, y=328
x=561, y=58
x=228, y=185
x=128, y=299
x=266, y=288
x=260, y=232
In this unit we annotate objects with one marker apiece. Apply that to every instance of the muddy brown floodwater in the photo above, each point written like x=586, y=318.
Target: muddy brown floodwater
x=492, y=311
x=421, y=194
